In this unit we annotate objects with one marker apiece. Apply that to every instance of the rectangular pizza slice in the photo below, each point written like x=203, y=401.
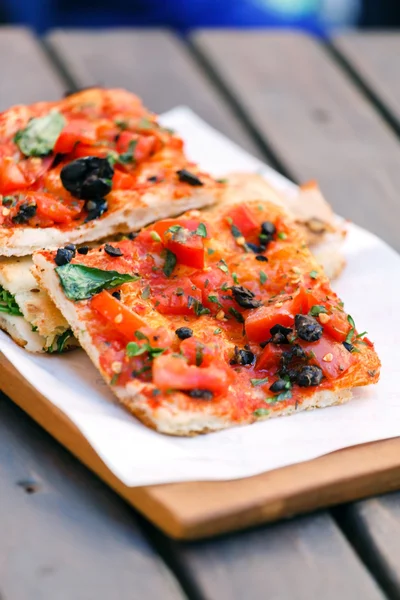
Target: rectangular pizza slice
x=212, y=320
x=91, y=165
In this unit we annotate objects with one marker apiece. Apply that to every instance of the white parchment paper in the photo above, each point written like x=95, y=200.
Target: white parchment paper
x=369, y=286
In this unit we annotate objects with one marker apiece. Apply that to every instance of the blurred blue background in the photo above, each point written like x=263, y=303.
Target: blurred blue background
x=318, y=16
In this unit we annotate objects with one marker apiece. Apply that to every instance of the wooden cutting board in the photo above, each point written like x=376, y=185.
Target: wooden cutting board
x=201, y=509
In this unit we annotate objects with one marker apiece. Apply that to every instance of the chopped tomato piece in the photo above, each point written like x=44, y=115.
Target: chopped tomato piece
x=125, y=141
x=188, y=249
x=269, y=357
x=259, y=322
x=12, y=177
x=338, y=326
x=122, y=181
x=82, y=150
x=49, y=207
x=124, y=320
x=144, y=148
x=170, y=372
x=178, y=298
x=330, y=356
x=76, y=131
x=244, y=219
x=196, y=352
x=191, y=224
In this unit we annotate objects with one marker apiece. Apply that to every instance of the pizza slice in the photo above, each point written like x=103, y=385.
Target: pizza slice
x=91, y=165
x=212, y=320
x=27, y=313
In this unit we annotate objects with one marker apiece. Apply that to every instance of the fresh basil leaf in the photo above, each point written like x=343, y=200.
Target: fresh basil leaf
x=170, y=263
x=40, y=135
x=80, y=282
x=134, y=349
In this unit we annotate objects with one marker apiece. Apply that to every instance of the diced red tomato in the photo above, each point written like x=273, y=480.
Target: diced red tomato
x=76, y=131
x=170, y=372
x=333, y=367
x=174, y=299
x=189, y=251
x=191, y=224
x=269, y=357
x=82, y=150
x=244, y=219
x=145, y=147
x=122, y=181
x=124, y=320
x=193, y=349
x=259, y=322
x=49, y=207
x=338, y=326
x=12, y=177
x=125, y=140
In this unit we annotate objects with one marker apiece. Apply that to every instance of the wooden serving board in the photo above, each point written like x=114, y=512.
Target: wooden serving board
x=201, y=509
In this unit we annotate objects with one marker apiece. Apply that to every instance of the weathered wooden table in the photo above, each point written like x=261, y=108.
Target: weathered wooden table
x=312, y=111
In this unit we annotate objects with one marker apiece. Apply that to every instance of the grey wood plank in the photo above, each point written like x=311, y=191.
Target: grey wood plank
x=302, y=559
x=26, y=74
x=317, y=122
x=152, y=63
x=64, y=534
x=374, y=56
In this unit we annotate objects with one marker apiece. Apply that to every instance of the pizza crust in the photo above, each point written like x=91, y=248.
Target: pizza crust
x=167, y=418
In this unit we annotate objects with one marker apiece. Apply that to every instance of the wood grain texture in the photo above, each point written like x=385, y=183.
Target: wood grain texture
x=375, y=58
x=64, y=534
x=298, y=560
x=26, y=74
x=374, y=527
x=151, y=63
x=317, y=122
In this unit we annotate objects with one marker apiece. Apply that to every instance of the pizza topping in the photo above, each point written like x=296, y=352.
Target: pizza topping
x=112, y=250
x=40, y=135
x=349, y=347
x=261, y=257
x=308, y=328
x=83, y=250
x=243, y=357
x=201, y=394
x=88, y=178
x=268, y=229
x=80, y=282
x=309, y=375
x=170, y=263
x=8, y=304
x=95, y=208
x=63, y=256
x=244, y=297
x=279, y=334
x=188, y=177
x=26, y=211
x=184, y=333
x=279, y=385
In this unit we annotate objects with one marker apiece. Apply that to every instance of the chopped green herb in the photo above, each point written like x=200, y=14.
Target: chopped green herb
x=210, y=251
x=8, y=303
x=314, y=274
x=263, y=277
x=146, y=293
x=351, y=321
x=225, y=286
x=217, y=331
x=229, y=220
x=63, y=339
x=317, y=309
x=114, y=379
x=145, y=123
x=201, y=230
x=235, y=278
x=238, y=316
x=174, y=228
x=141, y=371
x=261, y=412
x=199, y=354
x=286, y=395
x=121, y=123
x=140, y=336
x=134, y=349
x=223, y=266
x=282, y=235
x=361, y=335
x=257, y=382
x=155, y=236
x=40, y=135
x=127, y=157
x=236, y=231
x=221, y=180
x=8, y=200
x=350, y=335
x=213, y=299
x=80, y=282
x=170, y=263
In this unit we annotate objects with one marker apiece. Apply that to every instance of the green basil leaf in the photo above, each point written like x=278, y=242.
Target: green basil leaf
x=80, y=282
x=40, y=135
x=201, y=230
x=170, y=263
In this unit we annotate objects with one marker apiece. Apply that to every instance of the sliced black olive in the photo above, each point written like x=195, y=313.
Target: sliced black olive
x=295, y=351
x=309, y=375
x=278, y=386
x=244, y=297
x=278, y=328
x=117, y=295
x=201, y=394
x=64, y=256
x=257, y=249
x=83, y=250
x=243, y=357
x=153, y=179
x=268, y=228
x=88, y=178
x=95, y=209
x=71, y=247
x=261, y=257
x=184, y=332
x=112, y=251
x=308, y=328
x=133, y=235
x=279, y=338
x=25, y=212
x=188, y=177
x=349, y=347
